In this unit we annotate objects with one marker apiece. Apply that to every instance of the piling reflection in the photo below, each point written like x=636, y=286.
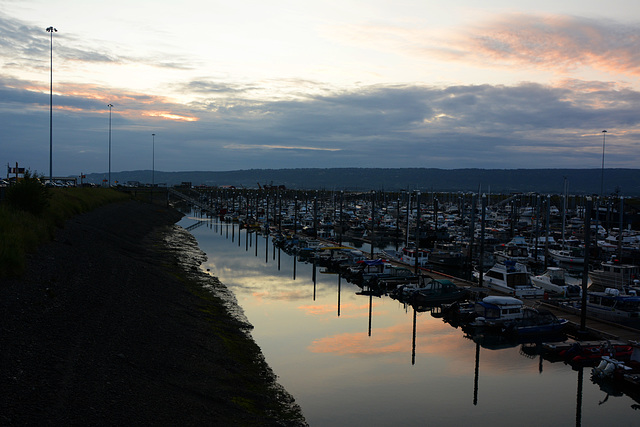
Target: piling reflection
x=312, y=330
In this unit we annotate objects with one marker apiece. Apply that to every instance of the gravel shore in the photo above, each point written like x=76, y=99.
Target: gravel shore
x=110, y=326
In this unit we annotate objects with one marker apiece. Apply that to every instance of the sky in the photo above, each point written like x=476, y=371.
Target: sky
x=254, y=84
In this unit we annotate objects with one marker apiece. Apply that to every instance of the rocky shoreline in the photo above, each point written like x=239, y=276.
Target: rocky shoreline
x=113, y=324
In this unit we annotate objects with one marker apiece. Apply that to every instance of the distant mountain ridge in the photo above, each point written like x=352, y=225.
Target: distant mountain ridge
x=580, y=181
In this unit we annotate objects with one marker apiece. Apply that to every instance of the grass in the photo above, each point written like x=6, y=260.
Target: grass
x=22, y=232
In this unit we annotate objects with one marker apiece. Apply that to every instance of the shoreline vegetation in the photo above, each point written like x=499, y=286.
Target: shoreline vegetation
x=22, y=231
x=111, y=321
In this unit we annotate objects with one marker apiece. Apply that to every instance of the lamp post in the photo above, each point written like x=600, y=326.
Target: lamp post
x=153, y=160
x=110, y=107
x=604, y=133
x=51, y=30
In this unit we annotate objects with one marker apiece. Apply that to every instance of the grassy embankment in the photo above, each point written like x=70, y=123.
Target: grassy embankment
x=22, y=231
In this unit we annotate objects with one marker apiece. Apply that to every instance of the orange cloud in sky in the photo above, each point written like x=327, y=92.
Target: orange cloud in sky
x=125, y=103
x=558, y=43
x=170, y=116
x=553, y=42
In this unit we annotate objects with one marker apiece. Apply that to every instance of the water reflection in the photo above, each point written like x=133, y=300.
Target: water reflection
x=352, y=358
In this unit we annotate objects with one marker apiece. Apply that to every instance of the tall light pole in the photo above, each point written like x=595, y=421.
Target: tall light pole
x=604, y=133
x=51, y=30
x=153, y=160
x=110, y=107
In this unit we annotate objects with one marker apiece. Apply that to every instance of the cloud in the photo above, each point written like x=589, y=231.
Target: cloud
x=215, y=122
x=555, y=42
x=275, y=147
x=492, y=126
x=558, y=43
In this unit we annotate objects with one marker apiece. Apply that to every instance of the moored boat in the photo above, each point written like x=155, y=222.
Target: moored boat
x=431, y=291
x=626, y=372
x=615, y=275
x=509, y=315
x=592, y=352
x=511, y=278
x=447, y=255
x=572, y=255
x=610, y=305
x=516, y=250
x=535, y=321
x=497, y=310
x=583, y=351
x=410, y=254
x=557, y=281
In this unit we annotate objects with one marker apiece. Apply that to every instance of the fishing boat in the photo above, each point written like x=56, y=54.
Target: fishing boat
x=515, y=250
x=572, y=255
x=447, y=255
x=556, y=280
x=511, y=278
x=610, y=305
x=613, y=274
x=409, y=254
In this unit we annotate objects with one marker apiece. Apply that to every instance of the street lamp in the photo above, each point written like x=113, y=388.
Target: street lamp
x=110, y=107
x=604, y=133
x=153, y=160
x=51, y=30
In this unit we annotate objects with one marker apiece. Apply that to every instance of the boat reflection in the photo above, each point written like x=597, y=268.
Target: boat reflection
x=311, y=329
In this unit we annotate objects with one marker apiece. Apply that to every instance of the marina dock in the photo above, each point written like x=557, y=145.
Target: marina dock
x=382, y=219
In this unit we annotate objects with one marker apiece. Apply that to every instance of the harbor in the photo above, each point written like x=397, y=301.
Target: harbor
x=338, y=346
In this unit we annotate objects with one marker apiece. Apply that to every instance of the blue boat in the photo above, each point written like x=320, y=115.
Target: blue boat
x=611, y=305
x=535, y=321
x=509, y=315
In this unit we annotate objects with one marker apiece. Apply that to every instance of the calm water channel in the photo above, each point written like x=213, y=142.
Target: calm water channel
x=350, y=359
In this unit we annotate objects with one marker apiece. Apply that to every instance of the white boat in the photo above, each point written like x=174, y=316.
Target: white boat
x=510, y=315
x=611, y=305
x=409, y=254
x=514, y=252
x=615, y=275
x=495, y=310
x=569, y=256
x=557, y=281
x=511, y=278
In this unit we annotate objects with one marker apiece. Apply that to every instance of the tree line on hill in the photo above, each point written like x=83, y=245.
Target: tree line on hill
x=625, y=182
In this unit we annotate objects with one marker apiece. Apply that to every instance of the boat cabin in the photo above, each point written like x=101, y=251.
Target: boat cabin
x=512, y=278
x=512, y=274
x=409, y=256
x=614, y=274
x=612, y=299
x=498, y=309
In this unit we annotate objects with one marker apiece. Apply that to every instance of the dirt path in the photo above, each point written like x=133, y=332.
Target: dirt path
x=107, y=327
